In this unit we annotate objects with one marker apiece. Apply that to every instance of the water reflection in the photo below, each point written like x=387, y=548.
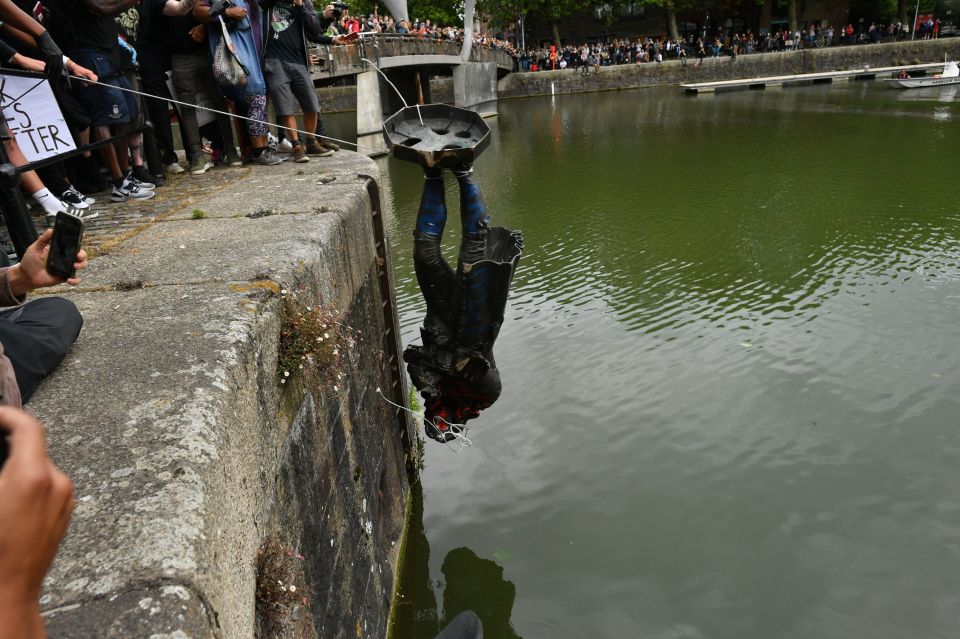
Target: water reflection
x=929, y=94
x=469, y=583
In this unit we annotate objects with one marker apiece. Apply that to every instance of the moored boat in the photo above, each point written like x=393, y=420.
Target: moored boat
x=950, y=75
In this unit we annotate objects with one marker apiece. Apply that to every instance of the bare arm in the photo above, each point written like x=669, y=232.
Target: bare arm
x=201, y=12
x=28, y=63
x=22, y=36
x=178, y=7
x=12, y=14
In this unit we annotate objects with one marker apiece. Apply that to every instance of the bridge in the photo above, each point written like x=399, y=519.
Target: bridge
x=409, y=61
x=391, y=51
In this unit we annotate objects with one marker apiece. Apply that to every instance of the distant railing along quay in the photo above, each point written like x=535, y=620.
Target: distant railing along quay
x=338, y=61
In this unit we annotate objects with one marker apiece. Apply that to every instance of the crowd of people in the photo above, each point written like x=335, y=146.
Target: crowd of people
x=177, y=49
x=642, y=50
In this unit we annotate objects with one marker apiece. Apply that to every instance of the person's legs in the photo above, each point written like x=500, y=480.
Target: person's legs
x=474, y=218
x=36, y=337
x=108, y=154
x=30, y=182
x=434, y=275
x=184, y=81
x=158, y=113
x=280, y=92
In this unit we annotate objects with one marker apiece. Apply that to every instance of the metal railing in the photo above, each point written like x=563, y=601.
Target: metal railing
x=340, y=60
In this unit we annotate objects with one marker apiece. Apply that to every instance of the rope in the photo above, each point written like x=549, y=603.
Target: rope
x=405, y=105
x=459, y=431
x=226, y=113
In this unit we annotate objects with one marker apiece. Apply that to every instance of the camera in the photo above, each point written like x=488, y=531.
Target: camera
x=338, y=8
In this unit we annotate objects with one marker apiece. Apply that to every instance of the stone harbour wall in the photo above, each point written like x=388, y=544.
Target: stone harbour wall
x=632, y=76
x=201, y=478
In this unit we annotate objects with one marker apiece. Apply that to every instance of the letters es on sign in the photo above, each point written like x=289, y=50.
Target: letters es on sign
x=33, y=116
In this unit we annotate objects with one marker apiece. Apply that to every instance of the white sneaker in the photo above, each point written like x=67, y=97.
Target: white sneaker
x=200, y=166
x=84, y=214
x=285, y=146
x=74, y=199
x=129, y=190
x=174, y=168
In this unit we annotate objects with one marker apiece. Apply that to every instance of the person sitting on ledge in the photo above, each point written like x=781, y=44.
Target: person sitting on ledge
x=34, y=336
x=454, y=369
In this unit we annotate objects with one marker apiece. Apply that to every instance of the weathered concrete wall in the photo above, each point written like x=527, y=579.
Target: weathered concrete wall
x=336, y=99
x=185, y=450
x=746, y=66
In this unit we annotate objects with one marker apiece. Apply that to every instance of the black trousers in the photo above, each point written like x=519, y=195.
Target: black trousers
x=36, y=337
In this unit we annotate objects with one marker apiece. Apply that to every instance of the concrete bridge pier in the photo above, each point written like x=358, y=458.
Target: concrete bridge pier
x=370, y=114
x=475, y=87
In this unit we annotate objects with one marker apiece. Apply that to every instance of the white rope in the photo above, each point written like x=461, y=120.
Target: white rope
x=227, y=113
x=405, y=105
x=459, y=431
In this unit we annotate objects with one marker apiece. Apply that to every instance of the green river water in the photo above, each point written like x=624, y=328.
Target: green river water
x=731, y=369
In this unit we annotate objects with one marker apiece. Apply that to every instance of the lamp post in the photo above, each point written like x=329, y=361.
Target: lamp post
x=916, y=14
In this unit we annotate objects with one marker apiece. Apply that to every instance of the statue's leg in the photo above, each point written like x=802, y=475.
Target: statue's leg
x=434, y=275
x=474, y=218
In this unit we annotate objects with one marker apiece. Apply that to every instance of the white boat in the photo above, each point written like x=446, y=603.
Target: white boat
x=950, y=75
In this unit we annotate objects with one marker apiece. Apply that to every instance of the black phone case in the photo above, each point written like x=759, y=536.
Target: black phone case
x=61, y=258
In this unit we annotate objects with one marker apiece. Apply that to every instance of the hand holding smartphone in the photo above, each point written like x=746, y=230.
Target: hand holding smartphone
x=67, y=237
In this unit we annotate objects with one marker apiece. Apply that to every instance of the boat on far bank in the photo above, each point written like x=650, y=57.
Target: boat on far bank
x=950, y=75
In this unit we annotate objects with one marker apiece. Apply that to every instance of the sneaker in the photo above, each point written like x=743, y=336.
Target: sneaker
x=314, y=148
x=85, y=214
x=299, y=155
x=129, y=190
x=85, y=198
x=267, y=158
x=284, y=146
x=74, y=199
x=200, y=165
x=139, y=176
x=233, y=158
x=327, y=144
x=174, y=168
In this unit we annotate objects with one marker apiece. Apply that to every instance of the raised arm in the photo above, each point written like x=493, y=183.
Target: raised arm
x=13, y=15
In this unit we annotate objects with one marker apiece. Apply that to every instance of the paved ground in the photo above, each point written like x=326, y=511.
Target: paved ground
x=120, y=221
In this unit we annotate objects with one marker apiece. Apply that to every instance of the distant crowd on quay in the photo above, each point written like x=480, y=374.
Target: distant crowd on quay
x=643, y=50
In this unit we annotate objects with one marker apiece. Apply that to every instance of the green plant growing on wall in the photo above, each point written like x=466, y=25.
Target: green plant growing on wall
x=281, y=586
x=313, y=343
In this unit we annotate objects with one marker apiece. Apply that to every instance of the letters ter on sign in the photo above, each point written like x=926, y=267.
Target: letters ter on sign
x=33, y=116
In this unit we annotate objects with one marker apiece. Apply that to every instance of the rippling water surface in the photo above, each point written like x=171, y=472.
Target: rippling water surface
x=730, y=367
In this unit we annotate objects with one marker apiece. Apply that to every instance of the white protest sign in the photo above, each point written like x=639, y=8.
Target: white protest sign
x=32, y=114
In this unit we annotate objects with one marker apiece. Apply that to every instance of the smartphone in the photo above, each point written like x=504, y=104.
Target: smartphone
x=67, y=236
x=4, y=448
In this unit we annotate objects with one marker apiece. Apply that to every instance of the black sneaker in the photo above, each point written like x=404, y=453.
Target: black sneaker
x=142, y=178
x=74, y=199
